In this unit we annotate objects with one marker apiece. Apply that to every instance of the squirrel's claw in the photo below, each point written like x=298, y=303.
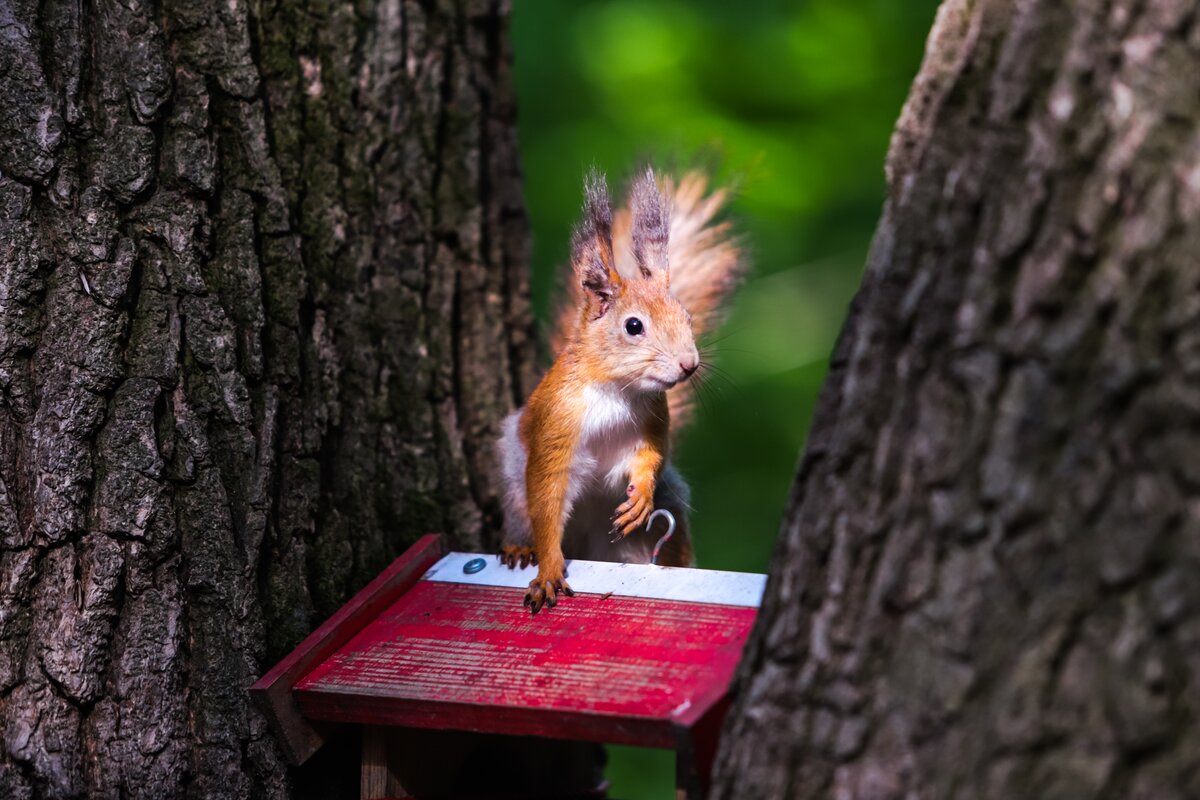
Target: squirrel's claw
x=544, y=593
x=512, y=556
x=633, y=513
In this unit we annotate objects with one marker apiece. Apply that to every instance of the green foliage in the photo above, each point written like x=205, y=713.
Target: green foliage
x=792, y=102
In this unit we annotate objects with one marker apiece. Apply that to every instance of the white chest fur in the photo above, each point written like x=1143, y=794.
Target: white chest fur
x=611, y=433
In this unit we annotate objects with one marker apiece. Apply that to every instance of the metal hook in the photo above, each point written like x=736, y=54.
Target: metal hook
x=663, y=539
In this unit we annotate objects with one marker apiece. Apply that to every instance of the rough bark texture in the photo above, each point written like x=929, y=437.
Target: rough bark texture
x=988, y=580
x=262, y=305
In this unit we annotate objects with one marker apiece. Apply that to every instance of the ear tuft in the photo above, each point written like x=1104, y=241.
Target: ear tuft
x=591, y=246
x=651, y=227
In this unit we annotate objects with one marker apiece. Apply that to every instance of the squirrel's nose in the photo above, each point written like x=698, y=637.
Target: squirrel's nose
x=689, y=365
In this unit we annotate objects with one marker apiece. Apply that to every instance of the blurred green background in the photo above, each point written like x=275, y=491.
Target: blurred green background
x=792, y=103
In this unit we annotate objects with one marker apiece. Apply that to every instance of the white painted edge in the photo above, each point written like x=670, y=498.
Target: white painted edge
x=683, y=584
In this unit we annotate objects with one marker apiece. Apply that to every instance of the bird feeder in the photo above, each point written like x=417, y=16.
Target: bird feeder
x=641, y=655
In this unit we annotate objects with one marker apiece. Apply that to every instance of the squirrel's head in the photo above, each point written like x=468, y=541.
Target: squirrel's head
x=631, y=327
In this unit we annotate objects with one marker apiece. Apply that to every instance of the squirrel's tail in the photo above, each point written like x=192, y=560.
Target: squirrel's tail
x=705, y=262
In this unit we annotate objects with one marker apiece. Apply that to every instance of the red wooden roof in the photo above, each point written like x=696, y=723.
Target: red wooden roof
x=457, y=651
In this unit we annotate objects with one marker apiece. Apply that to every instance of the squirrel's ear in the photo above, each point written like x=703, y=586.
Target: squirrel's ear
x=592, y=250
x=651, y=227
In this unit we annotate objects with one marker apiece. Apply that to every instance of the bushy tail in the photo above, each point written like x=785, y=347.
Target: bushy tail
x=705, y=262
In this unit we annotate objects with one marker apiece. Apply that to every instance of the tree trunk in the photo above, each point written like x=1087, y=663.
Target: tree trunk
x=988, y=577
x=263, y=301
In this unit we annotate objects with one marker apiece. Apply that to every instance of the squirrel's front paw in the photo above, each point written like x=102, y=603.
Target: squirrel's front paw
x=512, y=555
x=546, y=587
x=632, y=514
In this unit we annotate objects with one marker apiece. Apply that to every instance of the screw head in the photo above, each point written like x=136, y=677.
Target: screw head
x=474, y=565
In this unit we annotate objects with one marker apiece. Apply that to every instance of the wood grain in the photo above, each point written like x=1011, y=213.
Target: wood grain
x=455, y=656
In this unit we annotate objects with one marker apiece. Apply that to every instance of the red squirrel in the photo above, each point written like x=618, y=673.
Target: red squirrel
x=588, y=456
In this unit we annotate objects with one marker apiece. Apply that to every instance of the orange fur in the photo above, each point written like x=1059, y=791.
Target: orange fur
x=647, y=462
x=598, y=423
x=706, y=266
x=549, y=431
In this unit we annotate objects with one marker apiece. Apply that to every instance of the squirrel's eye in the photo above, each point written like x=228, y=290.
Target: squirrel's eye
x=634, y=327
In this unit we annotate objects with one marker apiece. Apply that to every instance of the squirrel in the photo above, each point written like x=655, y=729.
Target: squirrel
x=587, y=458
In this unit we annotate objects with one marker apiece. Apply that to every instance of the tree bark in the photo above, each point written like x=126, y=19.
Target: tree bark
x=987, y=580
x=263, y=302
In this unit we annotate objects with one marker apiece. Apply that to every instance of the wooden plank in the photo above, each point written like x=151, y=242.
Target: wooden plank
x=626, y=580
x=273, y=691
x=464, y=657
x=480, y=718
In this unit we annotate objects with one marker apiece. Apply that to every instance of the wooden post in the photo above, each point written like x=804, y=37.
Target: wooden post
x=695, y=752
x=381, y=763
